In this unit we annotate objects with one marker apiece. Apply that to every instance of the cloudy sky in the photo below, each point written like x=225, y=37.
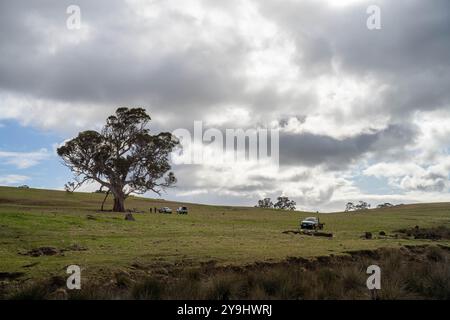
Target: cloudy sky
x=362, y=114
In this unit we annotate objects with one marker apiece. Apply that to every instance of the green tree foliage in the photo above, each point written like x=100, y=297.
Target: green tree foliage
x=265, y=203
x=284, y=203
x=124, y=157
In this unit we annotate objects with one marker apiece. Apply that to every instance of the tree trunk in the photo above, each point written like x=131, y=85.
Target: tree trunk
x=119, y=203
x=104, y=200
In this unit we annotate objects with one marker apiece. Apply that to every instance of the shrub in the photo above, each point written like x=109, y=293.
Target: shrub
x=148, y=289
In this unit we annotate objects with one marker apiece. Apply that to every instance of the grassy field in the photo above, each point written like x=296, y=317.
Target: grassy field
x=34, y=218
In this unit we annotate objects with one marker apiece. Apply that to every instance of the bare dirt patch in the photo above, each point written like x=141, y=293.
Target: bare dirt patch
x=437, y=233
x=52, y=251
x=10, y=275
x=309, y=233
x=42, y=251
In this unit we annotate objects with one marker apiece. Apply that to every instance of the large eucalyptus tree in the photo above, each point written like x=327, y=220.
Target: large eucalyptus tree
x=124, y=157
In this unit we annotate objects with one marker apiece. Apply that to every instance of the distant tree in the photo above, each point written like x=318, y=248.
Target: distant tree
x=350, y=206
x=124, y=157
x=362, y=205
x=70, y=187
x=284, y=203
x=265, y=203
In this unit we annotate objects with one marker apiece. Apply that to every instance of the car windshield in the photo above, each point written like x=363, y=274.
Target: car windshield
x=311, y=219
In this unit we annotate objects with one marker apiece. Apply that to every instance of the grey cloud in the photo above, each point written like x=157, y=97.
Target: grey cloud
x=312, y=150
x=111, y=67
x=409, y=54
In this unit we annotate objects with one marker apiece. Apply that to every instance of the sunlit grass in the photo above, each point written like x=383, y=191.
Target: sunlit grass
x=228, y=235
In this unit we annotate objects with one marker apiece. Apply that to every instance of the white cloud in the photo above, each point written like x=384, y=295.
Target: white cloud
x=51, y=114
x=23, y=160
x=426, y=167
x=13, y=179
x=413, y=177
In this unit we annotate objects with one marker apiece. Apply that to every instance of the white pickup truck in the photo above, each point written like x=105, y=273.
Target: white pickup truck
x=182, y=210
x=165, y=210
x=311, y=223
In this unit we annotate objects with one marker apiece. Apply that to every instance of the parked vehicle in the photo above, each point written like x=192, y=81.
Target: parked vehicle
x=165, y=210
x=182, y=210
x=311, y=223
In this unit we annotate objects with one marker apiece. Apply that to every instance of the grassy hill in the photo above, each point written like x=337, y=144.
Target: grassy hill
x=99, y=241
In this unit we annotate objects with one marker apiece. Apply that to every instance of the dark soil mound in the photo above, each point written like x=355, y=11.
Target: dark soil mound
x=42, y=251
x=437, y=233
